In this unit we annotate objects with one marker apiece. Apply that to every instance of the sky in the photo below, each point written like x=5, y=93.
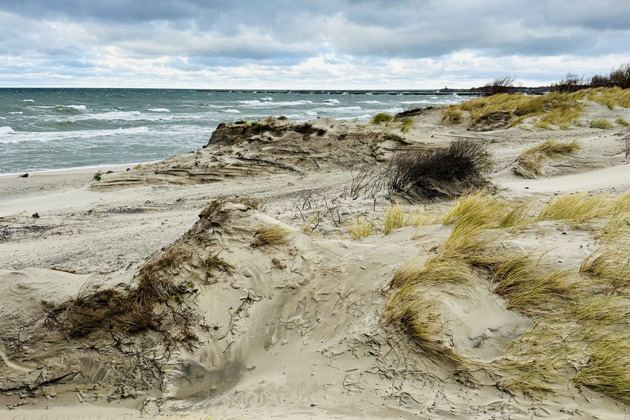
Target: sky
x=295, y=44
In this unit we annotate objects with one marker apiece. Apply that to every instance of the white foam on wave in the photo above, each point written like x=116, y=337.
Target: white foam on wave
x=16, y=113
x=331, y=101
x=6, y=130
x=267, y=99
x=46, y=136
x=28, y=100
x=341, y=109
x=123, y=116
x=159, y=110
x=370, y=102
x=232, y=111
x=63, y=108
x=255, y=103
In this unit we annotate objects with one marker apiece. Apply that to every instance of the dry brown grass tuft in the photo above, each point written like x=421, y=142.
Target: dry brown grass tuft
x=530, y=162
x=477, y=209
x=607, y=368
x=610, y=266
x=273, y=235
x=362, y=227
x=577, y=207
x=419, y=271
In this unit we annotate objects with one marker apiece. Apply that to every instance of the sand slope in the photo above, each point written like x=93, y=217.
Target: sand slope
x=292, y=329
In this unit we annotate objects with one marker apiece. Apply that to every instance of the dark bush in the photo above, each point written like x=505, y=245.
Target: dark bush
x=502, y=85
x=571, y=83
x=438, y=173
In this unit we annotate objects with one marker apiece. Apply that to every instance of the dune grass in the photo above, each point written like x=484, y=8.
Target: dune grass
x=519, y=215
x=528, y=288
x=477, y=209
x=362, y=227
x=622, y=121
x=530, y=162
x=406, y=124
x=610, y=265
x=272, y=235
x=601, y=123
x=606, y=370
x=577, y=207
x=549, y=109
x=575, y=312
x=419, y=271
x=382, y=117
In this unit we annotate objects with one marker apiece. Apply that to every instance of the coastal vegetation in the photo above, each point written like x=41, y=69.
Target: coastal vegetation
x=578, y=336
x=530, y=162
x=440, y=172
x=549, y=111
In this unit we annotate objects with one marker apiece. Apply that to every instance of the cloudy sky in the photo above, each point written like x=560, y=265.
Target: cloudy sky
x=376, y=44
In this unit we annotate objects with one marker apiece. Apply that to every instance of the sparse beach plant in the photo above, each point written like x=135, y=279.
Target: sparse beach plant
x=406, y=125
x=394, y=218
x=452, y=115
x=622, y=121
x=272, y=235
x=362, y=227
x=601, y=123
x=530, y=162
x=382, y=117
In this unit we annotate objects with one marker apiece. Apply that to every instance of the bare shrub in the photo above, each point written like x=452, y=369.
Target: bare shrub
x=504, y=84
x=436, y=173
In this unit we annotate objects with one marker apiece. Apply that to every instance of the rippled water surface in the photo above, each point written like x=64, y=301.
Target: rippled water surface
x=46, y=129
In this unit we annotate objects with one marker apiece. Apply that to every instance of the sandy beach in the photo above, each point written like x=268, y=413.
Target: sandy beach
x=292, y=326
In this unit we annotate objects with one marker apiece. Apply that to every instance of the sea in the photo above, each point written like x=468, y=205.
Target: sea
x=46, y=129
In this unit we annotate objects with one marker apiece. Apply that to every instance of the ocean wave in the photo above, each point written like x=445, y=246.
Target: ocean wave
x=267, y=104
x=267, y=99
x=232, y=111
x=159, y=110
x=331, y=101
x=28, y=100
x=123, y=116
x=6, y=130
x=340, y=109
x=47, y=136
x=370, y=102
x=69, y=108
x=16, y=113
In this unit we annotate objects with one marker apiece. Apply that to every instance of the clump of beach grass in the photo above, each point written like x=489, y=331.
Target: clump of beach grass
x=520, y=215
x=577, y=207
x=418, y=270
x=606, y=370
x=610, y=265
x=272, y=235
x=477, y=209
x=528, y=288
x=382, y=117
x=601, y=123
x=362, y=227
x=530, y=162
x=406, y=125
x=452, y=115
x=622, y=121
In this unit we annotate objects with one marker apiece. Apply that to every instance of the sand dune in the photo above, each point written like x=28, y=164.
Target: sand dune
x=266, y=307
